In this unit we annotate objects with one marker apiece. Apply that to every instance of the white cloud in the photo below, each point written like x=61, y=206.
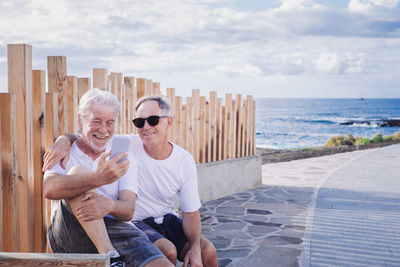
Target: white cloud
x=180, y=40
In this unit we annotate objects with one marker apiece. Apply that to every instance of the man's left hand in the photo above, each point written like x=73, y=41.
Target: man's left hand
x=193, y=256
x=92, y=207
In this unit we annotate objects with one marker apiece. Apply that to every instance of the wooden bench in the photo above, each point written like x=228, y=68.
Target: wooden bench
x=16, y=259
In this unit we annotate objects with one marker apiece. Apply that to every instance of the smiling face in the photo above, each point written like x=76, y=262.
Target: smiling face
x=97, y=127
x=153, y=137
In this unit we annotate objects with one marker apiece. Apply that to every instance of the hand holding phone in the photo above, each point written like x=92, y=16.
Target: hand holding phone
x=120, y=144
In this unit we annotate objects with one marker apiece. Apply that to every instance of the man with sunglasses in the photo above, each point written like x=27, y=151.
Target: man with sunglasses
x=164, y=171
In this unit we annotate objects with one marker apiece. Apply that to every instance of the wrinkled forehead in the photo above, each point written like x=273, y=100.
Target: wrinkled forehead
x=149, y=108
x=101, y=112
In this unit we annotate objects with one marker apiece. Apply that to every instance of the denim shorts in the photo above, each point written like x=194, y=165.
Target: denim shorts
x=66, y=235
x=170, y=228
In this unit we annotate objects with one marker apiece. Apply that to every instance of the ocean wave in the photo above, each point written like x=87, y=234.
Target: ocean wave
x=373, y=123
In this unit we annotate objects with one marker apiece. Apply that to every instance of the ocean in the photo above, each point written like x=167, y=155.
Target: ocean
x=283, y=123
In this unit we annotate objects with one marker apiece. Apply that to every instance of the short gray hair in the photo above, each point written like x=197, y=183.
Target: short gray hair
x=163, y=103
x=97, y=96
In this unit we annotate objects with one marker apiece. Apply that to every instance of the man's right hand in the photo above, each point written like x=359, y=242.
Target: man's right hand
x=109, y=171
x=59, y=151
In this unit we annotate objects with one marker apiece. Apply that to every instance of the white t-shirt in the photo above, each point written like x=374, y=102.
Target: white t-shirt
x=160, y=181
x=77, y=157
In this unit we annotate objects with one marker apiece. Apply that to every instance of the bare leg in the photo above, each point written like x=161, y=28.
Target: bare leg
x=160, y=262
x=167, y=248
x=208, y=253
x=96, y=229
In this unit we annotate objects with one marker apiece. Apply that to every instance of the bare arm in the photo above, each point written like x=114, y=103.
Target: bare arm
x=60, y=186
x=94, y=206
x=58, y=151
x=192, y=228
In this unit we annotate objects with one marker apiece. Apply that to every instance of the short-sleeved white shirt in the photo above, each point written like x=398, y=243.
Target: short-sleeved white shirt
x=161, y=180
x=127, y=182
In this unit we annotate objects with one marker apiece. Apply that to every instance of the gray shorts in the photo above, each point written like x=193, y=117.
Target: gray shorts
x=66, y=235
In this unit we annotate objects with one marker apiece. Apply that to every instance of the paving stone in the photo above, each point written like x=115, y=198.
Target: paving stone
x=264, y=230
x=257, y=211
x=255, y=217
x=222, y=219
x=221, y=243
x=233, y=253
x=224, y=262
x=281, y=240
x=264, y=223
x=231, y=226
x=230, y=234
x=231, y=210
x=272, y=256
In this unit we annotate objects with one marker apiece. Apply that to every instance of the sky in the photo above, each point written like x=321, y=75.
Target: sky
x=275, y=48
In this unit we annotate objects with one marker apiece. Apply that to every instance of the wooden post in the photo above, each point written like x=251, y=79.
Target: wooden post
x=149, y=87
x=72, y=98
x=213, y=124
x=39, y=91
x=227, y=127
x=9, y=172
x=171, y=130
x=129, y=83
x=116, y=89
x=189, y=125
x=238, y=125
x=141, y=87
x=178, y=130
x=202, y=129
x=208, y=133
x=100, y=79
x=156, y=88
x=219, y=129
x=83, y=86
x=57, y=81
x=184, y=128
x=247, y=127
x=233, y=131
x=19, y=59
x=196, y=124
x=253, y=125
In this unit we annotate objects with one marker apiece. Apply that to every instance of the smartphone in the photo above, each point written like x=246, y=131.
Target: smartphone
x=119, y=145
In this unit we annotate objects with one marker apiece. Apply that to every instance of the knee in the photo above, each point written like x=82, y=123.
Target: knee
x=170, y=253
x=78, y=169
x=208, y=253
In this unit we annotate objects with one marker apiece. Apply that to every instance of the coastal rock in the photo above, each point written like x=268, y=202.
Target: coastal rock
x=379, y=123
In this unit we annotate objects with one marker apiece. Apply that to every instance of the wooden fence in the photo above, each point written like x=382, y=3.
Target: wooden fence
x=32, y=116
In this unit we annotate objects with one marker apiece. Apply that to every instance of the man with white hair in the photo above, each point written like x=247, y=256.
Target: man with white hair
x=94, y=198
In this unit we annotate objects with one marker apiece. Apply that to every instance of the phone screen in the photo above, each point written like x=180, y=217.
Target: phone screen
x=119, y=145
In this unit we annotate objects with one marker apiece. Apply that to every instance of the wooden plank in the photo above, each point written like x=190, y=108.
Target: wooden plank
x=38, y=100
x=219, y=129
x=202, y=129
x=53, y=259
x=208, y=133
x=9, y=172
x=149, y=87
x=178, y=126
x=116, y=83
x=57, y=82
x=253, y=127
x=84, y=85
x=19, y=59
x=100, y=79
x=213, y=126
x=129, y=83
x=72, y=98
x=196, y=124
x=247, y=127
x=156, y=88
x=238, y=98
x=227, y=141
x=1, y=191
x=51, y=133
x=233, y=130
x=189, y=125
x=141, y=87
x=171, y=130
x=184, y=128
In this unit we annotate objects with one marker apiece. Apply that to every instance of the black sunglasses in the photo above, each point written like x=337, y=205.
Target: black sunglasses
x=152, y=121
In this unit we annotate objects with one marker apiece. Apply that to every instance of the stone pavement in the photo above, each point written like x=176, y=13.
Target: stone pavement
x=271, y=225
